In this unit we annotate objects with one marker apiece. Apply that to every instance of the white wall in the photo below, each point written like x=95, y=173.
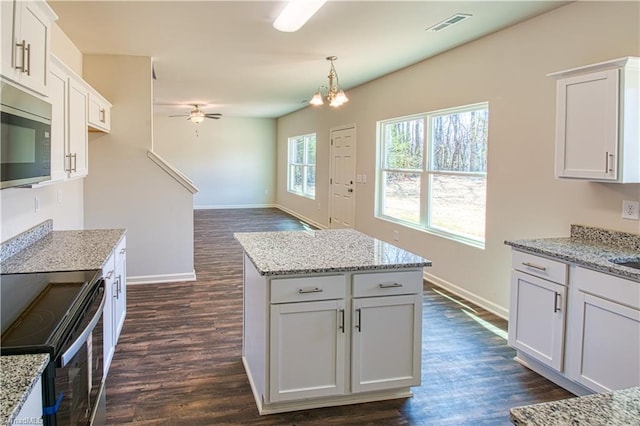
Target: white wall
x=508, y=70
x=61, y=202
x=125, y=189
x=232, y=160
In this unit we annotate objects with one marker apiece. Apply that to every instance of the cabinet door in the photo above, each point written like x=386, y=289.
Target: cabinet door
x=78, y=137
x=537, y=317
x=34, y=31
x=608, y=349
x=587, y=126
x=386, y=342
x=99, y=113
x=8, y=47
x=120, y=301
x=306, y=357
x=108, y=315
x=58, y=91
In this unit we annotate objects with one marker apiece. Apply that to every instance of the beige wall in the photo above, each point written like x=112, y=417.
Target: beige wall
x=61, y=202
x=231, y=160
x=124, y=188
x=508, y=70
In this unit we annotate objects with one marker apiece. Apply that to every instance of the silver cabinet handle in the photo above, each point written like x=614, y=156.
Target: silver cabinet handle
x=28, y=49
x=115, y=289
x=110, y=274
x=75, y=162
x=608, y=157
x=309, y=290
x=22, y=67
x=389, y=285
x=534, y=266
x=123, y=251
x=103, y=115
x=556, y=303
x=359, y=320
x=341, y=313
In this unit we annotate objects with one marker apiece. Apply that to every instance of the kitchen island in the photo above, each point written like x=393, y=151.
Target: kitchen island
x=330, y=317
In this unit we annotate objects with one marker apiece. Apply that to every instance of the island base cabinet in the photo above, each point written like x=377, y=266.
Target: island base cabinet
x=307, y=350
x=386, y=340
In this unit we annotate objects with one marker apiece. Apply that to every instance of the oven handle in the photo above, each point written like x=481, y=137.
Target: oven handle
x=82, y=339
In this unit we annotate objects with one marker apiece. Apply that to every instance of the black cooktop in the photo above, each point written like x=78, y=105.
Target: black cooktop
x=37, y=308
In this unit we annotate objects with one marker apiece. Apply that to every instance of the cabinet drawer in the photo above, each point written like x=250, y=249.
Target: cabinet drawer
x=284, y=290
x=548, y=269
x=387, y=283
x=121, y=250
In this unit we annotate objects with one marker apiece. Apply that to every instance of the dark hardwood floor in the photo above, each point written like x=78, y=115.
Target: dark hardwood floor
x=178, y=358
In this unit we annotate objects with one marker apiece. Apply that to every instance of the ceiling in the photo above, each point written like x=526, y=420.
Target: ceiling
x=227, y=55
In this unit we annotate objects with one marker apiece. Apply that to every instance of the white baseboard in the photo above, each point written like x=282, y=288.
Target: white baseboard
x=301, y=217
x=467, y=295
x=157, y=279
x=232, y=206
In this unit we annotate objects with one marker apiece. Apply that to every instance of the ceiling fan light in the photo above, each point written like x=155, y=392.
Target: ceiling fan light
x=197, y=117
x=317, y=99
x=296, y=14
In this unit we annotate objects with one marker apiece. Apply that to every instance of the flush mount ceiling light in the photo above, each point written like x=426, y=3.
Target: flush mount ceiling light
x=334, y=93
x=296, y=14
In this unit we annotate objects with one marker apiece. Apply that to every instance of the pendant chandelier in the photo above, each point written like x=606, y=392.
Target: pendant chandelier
x=334, y=93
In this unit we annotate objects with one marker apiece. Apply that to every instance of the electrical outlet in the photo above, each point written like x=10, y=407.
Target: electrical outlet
x=36, y=204
x=631, y=210
x=396, y=236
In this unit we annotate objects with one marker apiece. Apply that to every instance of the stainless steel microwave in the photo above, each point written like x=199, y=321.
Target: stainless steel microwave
x=25, y=141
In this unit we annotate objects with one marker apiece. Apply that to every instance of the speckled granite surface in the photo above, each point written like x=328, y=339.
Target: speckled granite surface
x=65, y=251
x=590, y=247
x=332, y=250
x=611, y=409
x=18, y=375
x=25, y=239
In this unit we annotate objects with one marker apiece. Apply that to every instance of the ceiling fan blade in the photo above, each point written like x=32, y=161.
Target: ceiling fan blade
x=214, y=117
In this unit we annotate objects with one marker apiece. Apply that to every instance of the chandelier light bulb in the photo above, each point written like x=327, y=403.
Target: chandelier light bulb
x=317, y=99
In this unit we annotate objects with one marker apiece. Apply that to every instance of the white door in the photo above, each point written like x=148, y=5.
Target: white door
x=609, y=344
x=387, y=335
x=307, y=350
x=343, y=177
x=537, y=325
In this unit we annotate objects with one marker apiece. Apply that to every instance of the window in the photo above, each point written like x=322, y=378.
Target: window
x=302, y=165
x=432, y=172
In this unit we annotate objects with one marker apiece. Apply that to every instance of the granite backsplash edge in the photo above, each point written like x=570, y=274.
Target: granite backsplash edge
x=622, y=240
x=21, y=241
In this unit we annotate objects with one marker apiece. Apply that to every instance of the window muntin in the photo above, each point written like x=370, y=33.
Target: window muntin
x=302, y=165
x=432, y=172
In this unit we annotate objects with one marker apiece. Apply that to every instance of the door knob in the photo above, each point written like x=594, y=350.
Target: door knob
x=350, y=190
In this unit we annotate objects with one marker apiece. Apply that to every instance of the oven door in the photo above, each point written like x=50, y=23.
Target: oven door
x=79, y=370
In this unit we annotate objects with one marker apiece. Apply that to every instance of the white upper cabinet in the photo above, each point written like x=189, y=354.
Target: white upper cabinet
x=597, y=122
x=26, y=43
x=99, y=112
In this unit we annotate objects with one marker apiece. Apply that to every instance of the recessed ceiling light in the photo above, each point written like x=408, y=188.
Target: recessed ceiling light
x=458, y=17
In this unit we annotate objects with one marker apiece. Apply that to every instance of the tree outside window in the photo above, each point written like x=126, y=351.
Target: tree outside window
x=302, y=165
x=433, y=172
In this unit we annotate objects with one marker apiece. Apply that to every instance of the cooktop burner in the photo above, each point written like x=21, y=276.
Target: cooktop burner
x=36, y=325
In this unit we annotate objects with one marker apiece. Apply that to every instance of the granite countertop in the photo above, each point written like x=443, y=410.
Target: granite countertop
x=64, y=251
x=611, y=409
x=18, y=374
x=332, y=250
x=592, y=248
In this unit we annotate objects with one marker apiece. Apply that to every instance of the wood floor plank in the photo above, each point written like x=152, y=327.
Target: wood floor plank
x=178, y=358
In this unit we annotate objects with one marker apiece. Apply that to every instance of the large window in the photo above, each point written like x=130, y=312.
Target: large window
x=432, y=171
x=302, y=165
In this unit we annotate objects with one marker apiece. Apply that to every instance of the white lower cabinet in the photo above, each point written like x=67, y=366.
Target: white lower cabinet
x=386, y=345
x=323, y=340
x=114, y=273
x=307, y=350
x=585, y=335
x=606, y=345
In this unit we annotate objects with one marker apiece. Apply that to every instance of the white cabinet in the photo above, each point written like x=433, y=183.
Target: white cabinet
x=114, y=273
x=307, y=350
x=606, y=345
x=99, y=112
x=322, y=340
x=59, y=93
x=597, y=122
x=31, y=411
x=387, y=331
x=77, y=154
x=537, y=308
x=26, y=43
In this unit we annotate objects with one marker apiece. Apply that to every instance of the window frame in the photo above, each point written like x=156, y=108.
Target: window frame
x=426, y=173
x=305, y=165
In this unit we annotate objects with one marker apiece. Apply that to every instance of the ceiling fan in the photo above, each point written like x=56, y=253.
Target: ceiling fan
x=197, y=115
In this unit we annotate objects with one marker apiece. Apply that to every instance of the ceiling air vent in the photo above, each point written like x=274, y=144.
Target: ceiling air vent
x=458, y=17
